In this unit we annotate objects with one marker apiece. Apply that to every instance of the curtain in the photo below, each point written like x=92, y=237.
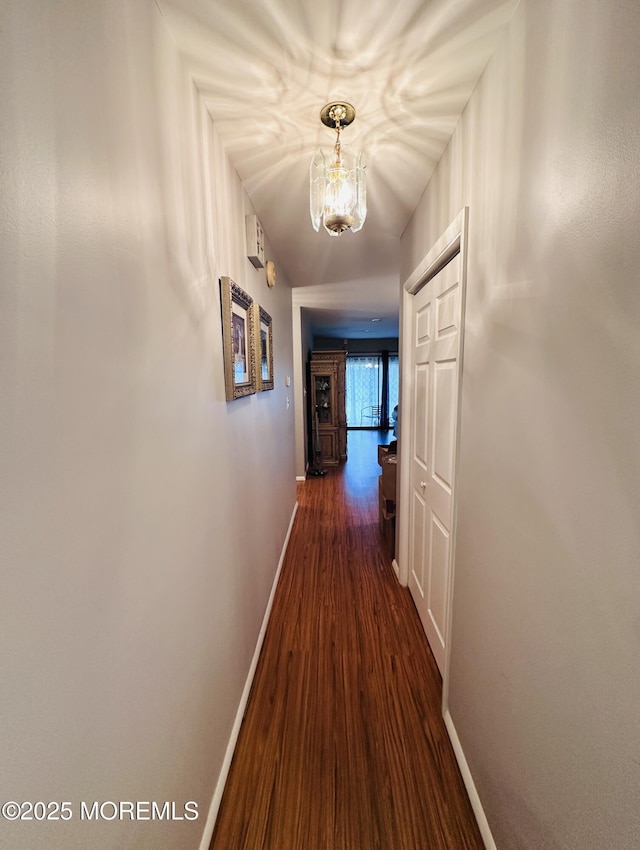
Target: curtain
x=364, y=386
x=364, y=389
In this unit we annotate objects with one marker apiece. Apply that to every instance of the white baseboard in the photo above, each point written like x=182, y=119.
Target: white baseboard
x=301, y=477
x=233, y=739
x=396, y=568
x=474, y=799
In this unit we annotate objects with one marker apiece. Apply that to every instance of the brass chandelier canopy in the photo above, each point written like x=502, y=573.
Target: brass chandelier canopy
x=337, y=188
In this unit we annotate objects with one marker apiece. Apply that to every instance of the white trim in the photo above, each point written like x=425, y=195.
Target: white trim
x=474, y=798
x=233, y=739
x=395, y=566
x=462, y=247
x=299, y=400
x=439, y=255
x=301, y=477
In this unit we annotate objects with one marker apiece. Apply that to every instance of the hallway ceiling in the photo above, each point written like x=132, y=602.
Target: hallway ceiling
x=265, y=68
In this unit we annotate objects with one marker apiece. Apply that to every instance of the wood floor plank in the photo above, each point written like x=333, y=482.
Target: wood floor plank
x=343, y=746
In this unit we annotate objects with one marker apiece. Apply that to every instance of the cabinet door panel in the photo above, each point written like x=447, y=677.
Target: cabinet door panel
x=328, y=443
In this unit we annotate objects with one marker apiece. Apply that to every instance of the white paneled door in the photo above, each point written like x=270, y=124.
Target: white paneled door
x=437, y=337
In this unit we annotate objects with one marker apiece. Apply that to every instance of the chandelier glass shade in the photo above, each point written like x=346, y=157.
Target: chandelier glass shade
x=337, y=190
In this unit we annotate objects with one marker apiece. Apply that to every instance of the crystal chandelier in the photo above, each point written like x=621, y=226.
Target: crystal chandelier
x=338, y=198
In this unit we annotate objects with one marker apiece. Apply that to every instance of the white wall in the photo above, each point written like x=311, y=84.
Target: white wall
x=302, y=345
x=142, y=516
x=545, y=669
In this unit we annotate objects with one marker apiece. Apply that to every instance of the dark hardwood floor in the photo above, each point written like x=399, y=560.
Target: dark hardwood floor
x=343, y=746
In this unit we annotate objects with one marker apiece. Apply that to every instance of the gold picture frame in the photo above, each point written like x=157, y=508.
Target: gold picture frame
x=263, y=325
x=238, y=337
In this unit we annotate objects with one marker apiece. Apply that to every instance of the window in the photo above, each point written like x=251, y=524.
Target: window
x=364, y=385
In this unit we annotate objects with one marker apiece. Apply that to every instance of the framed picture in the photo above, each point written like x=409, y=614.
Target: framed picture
x=264, y=348
x=238, y=337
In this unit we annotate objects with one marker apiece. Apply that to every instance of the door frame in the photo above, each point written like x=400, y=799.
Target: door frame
x=454, y=240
